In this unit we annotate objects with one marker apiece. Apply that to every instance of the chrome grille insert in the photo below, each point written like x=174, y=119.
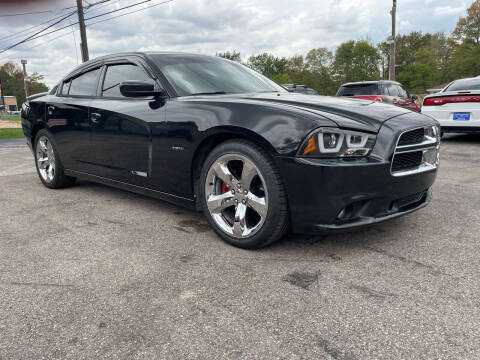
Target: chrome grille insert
x=417, y=151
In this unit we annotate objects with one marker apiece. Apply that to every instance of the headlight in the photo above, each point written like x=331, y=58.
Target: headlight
x=331, y=142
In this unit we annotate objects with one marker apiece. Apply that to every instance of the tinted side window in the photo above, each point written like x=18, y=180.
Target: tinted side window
x=402, y=92
x=392, y=89
x=66, y=87
x=382, y=90
x=54, y=90
x=85, y=84
x=118, y=73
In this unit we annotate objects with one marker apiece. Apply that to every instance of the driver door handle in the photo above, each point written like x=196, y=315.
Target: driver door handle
x=50, y=110
x=95, y=117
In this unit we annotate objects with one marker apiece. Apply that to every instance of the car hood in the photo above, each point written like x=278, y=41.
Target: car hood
x=345, y=112
x=349, y=113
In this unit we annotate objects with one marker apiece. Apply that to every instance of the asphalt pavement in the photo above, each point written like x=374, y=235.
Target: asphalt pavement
x=93, y=272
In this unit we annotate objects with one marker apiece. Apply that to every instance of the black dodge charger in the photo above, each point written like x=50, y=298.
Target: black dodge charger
x=211, y=134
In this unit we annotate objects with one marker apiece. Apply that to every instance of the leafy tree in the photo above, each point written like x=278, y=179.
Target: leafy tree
x=319, y=63
x=234, y=56
x=268, y=64
x=319, y=60
x=282, y=78
x=356, y=61
x=11, y=77
x=465, y=62
x=468, y=28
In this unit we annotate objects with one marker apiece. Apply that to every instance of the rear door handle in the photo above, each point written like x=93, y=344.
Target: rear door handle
x=95, y=117
x=50, y=110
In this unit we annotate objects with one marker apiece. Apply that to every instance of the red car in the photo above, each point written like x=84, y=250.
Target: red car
x=386, y=91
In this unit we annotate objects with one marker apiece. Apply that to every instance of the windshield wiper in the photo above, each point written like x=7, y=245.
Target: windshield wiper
x=210, y=93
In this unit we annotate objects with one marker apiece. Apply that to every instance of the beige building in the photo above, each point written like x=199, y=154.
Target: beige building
x=10, y=103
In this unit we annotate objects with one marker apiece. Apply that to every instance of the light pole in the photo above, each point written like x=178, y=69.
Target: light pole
x=25, y=79
x=392, y=43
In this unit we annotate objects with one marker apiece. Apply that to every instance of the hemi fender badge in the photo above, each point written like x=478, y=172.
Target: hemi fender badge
x=56, y=122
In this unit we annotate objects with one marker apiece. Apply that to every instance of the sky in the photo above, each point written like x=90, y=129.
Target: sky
x=280, y=27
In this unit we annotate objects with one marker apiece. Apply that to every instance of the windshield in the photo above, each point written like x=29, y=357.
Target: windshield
x=197, y=74
x=354, y=90
x=465, y=84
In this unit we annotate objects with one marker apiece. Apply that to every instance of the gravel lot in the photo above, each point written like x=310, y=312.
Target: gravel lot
x=93, y=272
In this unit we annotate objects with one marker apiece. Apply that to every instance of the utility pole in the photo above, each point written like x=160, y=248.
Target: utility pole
x=392, y=44
x=25, y=78
x=83, y=33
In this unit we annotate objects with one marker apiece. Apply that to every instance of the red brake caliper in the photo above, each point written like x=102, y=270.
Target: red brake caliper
x=224, y=188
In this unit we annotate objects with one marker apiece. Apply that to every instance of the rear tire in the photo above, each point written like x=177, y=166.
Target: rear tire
x=47, y=161
x=242, y=195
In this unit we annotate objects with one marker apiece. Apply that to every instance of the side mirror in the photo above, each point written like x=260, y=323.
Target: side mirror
x=414, y=98
x=139, y=89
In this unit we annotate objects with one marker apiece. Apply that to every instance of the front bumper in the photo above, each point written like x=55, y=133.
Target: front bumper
x=328, y=195
x=366, y=193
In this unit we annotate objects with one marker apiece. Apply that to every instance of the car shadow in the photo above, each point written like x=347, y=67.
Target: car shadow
x=296, y=247
x=461, y=138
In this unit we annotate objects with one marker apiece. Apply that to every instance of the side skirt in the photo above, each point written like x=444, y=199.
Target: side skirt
x=177, y=200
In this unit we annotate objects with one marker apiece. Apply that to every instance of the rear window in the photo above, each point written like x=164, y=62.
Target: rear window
x=354, y=90
x=466, y=84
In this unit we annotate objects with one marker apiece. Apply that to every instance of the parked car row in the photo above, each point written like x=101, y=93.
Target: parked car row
x=456, y=107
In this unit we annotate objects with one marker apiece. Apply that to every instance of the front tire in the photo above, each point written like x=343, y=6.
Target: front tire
x=47, y=160
x=242, y=195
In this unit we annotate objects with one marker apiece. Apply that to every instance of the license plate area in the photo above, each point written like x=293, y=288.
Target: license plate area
x=461, y=116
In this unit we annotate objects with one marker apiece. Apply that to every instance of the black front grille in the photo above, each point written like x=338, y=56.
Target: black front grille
x=412, y=137
x=406, y=161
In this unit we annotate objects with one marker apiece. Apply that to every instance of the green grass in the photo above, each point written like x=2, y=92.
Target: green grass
x=10, y=133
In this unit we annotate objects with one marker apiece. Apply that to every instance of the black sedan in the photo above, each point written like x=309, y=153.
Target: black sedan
x=211, y=134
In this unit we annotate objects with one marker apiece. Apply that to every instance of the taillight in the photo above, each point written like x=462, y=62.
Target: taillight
x=451, y=99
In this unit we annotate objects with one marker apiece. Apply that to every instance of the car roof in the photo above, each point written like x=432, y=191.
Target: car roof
x=372, y=82
x=94, y=62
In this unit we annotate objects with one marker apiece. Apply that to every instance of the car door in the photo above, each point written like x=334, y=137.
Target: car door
x=67, y=116
x=121, y=143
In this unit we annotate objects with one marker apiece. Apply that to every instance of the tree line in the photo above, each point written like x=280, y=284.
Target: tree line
x=422, y=60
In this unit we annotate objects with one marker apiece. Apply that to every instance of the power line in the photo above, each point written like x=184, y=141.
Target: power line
x=128, y=13
x=125, y=7
x=29, y=30
x=41, y=44
x=25, y=31
x=109, y=2
x=93, y=17
x=33, y=36
x=89, y=24
x=34, y=12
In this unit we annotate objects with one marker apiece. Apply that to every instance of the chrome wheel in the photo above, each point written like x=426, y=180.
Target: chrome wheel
x=236, y=195
x=45, y=159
